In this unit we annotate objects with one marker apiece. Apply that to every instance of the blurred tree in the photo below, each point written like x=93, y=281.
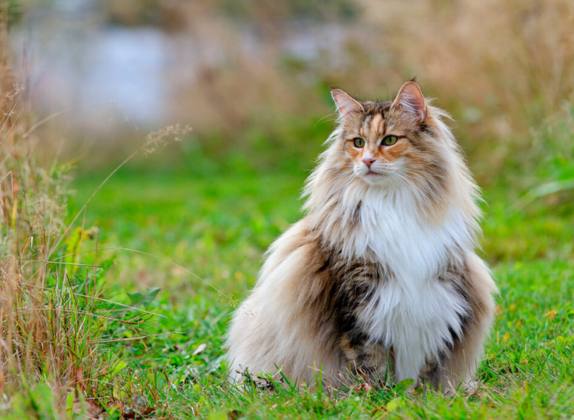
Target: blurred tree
x=159, y=13
x=12, y=11
x=164, y=13
x=250, y=10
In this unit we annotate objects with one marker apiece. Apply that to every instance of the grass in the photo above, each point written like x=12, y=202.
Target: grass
x=200, y=239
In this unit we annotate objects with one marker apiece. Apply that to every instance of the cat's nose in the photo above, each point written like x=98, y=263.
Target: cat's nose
x=368, y=161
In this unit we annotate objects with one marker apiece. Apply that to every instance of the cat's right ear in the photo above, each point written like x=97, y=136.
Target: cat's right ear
x=411, y=100
x=345, y=103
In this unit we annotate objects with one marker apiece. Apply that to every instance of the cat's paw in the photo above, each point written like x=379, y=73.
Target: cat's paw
x=470, y=387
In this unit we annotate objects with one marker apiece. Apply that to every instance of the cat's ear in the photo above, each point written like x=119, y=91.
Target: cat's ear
x=410, y=99
x=345, y=103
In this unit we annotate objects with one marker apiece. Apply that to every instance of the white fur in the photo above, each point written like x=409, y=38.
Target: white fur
x=414, y=311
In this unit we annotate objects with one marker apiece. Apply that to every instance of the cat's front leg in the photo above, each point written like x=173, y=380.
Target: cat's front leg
x=459, y=365
x=371, y=362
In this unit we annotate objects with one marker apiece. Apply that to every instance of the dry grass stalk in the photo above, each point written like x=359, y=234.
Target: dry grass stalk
x=46, y=328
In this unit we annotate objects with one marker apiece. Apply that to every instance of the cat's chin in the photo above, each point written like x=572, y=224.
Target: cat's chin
x=377, y=179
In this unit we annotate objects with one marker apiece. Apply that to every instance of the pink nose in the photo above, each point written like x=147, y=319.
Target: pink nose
x=368, y=161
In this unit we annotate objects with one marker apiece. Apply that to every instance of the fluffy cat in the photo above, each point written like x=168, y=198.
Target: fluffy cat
x=380, y=277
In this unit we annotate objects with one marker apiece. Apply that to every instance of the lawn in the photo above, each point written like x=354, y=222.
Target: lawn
x=199, y=238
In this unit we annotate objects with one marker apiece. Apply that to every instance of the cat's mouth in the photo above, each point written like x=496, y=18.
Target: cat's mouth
x=372, y=173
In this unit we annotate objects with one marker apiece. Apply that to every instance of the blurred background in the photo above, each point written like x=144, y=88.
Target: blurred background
x=252, y=77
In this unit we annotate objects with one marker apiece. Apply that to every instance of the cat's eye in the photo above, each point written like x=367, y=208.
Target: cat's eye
x=389, y=140
x=359, y=142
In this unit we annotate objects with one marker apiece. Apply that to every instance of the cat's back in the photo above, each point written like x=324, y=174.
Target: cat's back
x=287, y=318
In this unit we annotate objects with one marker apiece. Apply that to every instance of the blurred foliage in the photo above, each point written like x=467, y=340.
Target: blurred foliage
x=314, y=10
x=553, y=145
x=499, y=68
x=165, y=14
x=158, y=13
x=246, y=73
x=13, y=11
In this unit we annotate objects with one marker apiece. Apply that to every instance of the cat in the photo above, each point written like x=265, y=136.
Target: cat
x=379, y=278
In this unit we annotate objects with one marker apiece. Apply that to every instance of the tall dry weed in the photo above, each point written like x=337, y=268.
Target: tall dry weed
x=54, y=318
x=47, y=327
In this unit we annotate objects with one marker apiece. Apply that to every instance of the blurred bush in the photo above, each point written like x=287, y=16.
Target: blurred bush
x=239, y=68
x=500, y=67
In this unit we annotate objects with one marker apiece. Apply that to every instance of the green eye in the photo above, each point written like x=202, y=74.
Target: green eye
x=389, y=140
x=358, y=142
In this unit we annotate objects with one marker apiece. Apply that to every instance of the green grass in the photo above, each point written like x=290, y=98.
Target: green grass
x=200, y=238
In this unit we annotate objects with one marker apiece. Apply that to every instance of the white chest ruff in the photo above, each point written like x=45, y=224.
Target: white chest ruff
x=413, y=311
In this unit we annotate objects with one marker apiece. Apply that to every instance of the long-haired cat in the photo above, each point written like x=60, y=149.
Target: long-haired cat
x=380, y=277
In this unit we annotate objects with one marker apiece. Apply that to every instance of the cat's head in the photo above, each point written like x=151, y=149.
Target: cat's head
x=384, y=142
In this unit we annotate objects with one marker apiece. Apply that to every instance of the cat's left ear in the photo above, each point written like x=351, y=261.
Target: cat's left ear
x=345, y=103
x=410, y=99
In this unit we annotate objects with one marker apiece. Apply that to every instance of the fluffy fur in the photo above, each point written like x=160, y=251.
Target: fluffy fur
x=380, y=277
